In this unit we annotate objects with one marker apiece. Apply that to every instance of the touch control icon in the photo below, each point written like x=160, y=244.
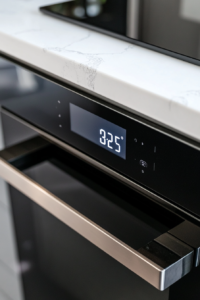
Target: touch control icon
x=143, y=163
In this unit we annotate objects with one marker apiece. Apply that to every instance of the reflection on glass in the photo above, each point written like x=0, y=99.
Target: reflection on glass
x=79, y=9
x=16, y=81
x=93, y=9
x=79, y=12
x=168, y=24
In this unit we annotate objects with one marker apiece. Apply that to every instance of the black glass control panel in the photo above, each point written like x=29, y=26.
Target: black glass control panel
x=150, y=158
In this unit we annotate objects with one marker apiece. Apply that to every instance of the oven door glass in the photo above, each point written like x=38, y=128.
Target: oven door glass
x=56, y=261
x=80, y=233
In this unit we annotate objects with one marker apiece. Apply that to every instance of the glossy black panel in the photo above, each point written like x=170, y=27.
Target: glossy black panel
x=156, y=161
x=64, y=265
x=59, y=259
x=167, y=24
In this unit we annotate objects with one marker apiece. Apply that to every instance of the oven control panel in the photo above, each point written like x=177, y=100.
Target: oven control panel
x=134, y=148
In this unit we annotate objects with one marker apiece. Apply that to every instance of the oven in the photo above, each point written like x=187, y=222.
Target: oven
x=96, y=202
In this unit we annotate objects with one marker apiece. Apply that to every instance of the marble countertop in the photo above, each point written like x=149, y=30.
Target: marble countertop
x=163, y=89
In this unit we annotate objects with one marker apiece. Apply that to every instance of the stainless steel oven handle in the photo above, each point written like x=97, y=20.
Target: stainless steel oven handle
x=145, y=262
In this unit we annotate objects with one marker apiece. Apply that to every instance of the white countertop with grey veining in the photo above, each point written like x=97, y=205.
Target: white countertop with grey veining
x=162, y=88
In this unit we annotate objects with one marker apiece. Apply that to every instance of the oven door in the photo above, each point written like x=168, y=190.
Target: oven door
x=82, y=234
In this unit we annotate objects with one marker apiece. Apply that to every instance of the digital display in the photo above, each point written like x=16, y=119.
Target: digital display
x=98, y=130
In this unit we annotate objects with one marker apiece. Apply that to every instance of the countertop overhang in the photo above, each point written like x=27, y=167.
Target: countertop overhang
x=158, y=87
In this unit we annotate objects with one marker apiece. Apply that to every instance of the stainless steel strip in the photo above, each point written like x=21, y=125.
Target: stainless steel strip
x=121, y=252
x=132, y=15
x=166, y=204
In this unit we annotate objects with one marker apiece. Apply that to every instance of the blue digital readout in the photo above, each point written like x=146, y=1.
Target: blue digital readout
x=98, y=130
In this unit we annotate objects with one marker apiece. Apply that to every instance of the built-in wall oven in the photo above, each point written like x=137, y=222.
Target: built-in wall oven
x=99, y=202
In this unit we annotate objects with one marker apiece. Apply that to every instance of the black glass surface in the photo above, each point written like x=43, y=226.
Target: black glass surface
x=154, y=160
x=59, y=259
x=168, y=26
